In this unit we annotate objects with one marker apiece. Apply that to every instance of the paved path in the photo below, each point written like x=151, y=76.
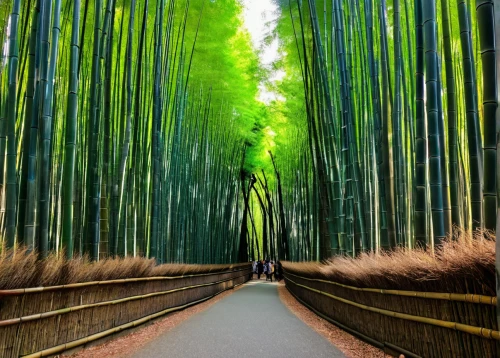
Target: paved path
x=252, y=322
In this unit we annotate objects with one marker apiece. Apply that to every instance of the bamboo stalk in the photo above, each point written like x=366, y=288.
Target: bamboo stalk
x=70, y=138
x=11, y=188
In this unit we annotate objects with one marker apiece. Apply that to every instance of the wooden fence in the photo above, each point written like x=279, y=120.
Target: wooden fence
x=42, y=321
x=416, y=324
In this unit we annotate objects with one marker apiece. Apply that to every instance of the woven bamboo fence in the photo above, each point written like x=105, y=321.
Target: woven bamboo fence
x=45, y=321
x=405, y=322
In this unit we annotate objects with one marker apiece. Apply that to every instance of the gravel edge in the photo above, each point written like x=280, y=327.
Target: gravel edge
x=345, y=342
x=126, y=345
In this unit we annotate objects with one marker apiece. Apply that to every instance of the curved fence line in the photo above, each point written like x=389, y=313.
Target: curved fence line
x=63, y=347
x=373, y=342
x=22, y=291
x=479, y=331
x=93, y=310
x=459, y=297
x=37, y=316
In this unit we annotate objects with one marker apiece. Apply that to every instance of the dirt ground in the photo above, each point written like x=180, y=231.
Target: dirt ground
x=125, y=345
x=347, y=343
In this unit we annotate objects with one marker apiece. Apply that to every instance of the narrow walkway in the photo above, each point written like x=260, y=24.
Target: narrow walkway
x=252, y=322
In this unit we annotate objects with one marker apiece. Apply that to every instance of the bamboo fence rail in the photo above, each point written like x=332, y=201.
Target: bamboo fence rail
x=387, y=347
x=421, y=323
x=461, y=297
x=44, y=321
x=21, y=291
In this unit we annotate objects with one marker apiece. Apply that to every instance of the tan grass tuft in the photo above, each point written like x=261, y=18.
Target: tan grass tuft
x=463, y=264
x=21, y=269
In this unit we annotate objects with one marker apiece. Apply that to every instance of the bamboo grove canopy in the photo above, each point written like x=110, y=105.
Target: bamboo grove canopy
x=123, y=124
x=133, y=127
x=397, y=122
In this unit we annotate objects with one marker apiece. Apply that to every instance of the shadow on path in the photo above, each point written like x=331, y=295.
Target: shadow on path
x=252, y=322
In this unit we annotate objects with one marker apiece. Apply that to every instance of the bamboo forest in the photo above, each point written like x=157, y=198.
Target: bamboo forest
x=349, y=145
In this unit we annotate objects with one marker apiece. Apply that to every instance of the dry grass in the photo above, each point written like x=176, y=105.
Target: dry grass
x=21, y=269
x=463, y=264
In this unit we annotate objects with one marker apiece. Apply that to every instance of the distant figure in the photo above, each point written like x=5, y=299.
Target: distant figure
x=278, y=271
x=260, y=269
x=254, y=266
x=268, y=270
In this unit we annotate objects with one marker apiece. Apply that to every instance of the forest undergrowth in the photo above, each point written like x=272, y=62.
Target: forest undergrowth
x=23, y=269
x=464, y=263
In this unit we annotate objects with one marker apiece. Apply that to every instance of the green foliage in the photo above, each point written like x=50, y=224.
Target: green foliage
x=226, y=62
x=151, y=119
x=409, y=161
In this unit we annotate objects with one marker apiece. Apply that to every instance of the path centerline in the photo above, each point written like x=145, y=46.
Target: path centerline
x=252, y=322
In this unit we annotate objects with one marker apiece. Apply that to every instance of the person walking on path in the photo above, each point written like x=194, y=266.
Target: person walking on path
x=278, y=271
x=260, y=269
x=238, y=326
x=270, y=270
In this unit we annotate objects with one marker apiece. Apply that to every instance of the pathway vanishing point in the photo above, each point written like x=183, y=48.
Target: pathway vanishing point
x=252, y=322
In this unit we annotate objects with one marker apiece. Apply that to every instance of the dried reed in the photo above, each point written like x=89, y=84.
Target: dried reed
x=463, y=264
x=427, y=327
x=21, y=269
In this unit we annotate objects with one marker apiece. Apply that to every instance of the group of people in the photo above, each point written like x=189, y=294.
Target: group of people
x=268, y=268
